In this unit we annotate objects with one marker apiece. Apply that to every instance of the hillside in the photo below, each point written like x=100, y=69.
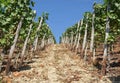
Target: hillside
x=56, y=64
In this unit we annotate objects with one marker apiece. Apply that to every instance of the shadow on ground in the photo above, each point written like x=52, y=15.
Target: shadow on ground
x=25, y=67
x=115, y=79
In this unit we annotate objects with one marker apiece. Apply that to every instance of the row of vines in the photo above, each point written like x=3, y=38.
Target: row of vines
x=97, y=29
x=20, y=35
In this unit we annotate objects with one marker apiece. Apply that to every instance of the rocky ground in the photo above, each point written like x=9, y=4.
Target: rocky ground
x=56, y=64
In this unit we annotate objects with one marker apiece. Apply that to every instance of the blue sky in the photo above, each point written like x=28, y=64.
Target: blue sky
x=63, y=13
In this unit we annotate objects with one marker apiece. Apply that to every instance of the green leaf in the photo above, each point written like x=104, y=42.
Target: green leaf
x=112, y=15
x=2, y=5
x=24, y=14
x=8, y=19
x=3, y=41
x=13, y=14
x=117, y=5
x=5, y=22
x=1, y=15
x=33, y=3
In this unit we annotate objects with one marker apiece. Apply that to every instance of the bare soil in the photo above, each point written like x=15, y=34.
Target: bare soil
x=56, y=64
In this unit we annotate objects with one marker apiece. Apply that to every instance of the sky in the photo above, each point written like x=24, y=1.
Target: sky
x=63, y=13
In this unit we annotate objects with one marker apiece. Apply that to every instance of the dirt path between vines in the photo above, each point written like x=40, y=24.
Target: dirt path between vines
x=56, y=64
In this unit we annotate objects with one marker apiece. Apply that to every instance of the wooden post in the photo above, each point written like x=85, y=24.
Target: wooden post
x=36, y=39
x=13, y=47
x=85, y=39
x=79, y=35
x=25, y=45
